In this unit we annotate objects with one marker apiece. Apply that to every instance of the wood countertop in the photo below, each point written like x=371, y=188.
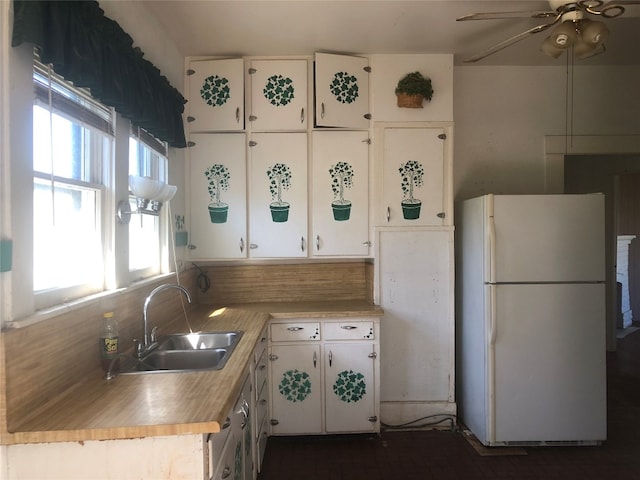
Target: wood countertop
x=155, y=404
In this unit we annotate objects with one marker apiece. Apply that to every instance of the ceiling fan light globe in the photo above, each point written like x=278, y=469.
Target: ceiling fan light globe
x=583, y=49
x=594, y=32
x=564, y=35
x=548, y=48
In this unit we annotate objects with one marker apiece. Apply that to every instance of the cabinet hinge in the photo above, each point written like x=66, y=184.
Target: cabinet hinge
x=191, y=144
x=252, y=143
x=190, y=72
x=273, y=421
x=273, y=357
x=367, y=69
x=373, y=419
x=252, y=71
x=441, y=215
x=191, y=119
x=442, y=136
x=252, y=118
x=367, y=141
x=373, y=355
x=368, y=116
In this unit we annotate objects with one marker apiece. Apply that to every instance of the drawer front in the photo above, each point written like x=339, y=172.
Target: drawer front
x=261, y=375
x=349, y=331
x=261, y=347
x=295, y=332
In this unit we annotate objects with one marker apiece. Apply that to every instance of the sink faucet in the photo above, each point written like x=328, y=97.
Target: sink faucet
x=149, y=342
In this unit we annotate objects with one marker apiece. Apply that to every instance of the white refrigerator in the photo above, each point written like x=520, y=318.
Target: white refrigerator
x=530, y=319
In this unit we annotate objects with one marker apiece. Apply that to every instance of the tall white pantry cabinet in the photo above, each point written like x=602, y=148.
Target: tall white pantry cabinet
x=400, y=197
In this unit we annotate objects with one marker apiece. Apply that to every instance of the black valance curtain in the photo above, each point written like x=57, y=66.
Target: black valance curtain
x=93, y=52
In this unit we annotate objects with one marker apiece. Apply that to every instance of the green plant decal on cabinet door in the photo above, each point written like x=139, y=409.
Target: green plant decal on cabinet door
x=295, y=385
x=279, y=180
x=215, y=91
x=218, y=177
x=341, y=178
x=278, y=90
x=350, y=386
x=344, y=87
x=411, y=174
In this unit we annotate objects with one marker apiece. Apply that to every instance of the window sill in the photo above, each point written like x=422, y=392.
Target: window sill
x=51, y=312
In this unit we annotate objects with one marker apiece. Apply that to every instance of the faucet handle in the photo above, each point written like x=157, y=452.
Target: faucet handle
x=137, y=347
x=154, y=334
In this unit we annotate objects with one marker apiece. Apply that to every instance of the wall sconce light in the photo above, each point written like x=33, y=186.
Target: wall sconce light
x=150, y=194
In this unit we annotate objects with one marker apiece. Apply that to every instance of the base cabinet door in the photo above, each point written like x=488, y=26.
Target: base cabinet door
x=349, y=387
x=296, y=389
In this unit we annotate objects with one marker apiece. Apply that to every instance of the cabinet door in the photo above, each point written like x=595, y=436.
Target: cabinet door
x=295, y=389
x=218, y=194
x=216, y=95
x=349, y=387
x=278, y=223
x=342, y=91
x=278, y=95
x=415, y=281
x=340, y=184
x=414, y=177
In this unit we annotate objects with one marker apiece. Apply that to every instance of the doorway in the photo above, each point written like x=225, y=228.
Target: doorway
x=616, y=177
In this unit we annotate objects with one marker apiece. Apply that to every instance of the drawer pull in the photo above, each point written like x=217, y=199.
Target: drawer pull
x=348, y=327
x=295, y=329
x=226, y=471
x=330, y=357
x=315, y=359
x=262, y=367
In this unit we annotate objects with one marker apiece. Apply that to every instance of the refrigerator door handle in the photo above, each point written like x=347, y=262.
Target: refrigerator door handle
x=493, y=316
x=492, y=249
x=491, y=364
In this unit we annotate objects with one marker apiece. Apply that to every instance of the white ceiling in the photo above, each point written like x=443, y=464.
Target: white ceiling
x=302, y=27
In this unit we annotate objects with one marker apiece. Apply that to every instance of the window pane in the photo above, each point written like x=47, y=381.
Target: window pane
x=144, y=251
x=68, y=147
x=67, y=240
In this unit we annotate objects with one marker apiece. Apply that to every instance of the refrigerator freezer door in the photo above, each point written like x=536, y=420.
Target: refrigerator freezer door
x=549, y=359
x=547, y=238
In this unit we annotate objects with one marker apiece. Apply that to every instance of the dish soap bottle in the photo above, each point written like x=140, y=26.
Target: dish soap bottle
x=109, y=343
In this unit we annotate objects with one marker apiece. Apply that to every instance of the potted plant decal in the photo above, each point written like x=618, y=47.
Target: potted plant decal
x=279, y=180
x=412, y=89
x=411, y=174
x=218, y=180
x=341, y=178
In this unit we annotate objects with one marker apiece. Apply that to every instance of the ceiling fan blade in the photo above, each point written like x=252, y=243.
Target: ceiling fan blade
x=503, y=15
x=510, y=41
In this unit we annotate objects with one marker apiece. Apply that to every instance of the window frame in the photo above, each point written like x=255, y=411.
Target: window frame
x=98, y=122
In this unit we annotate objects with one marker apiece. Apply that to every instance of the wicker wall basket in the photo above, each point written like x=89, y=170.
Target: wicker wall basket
x=409, y=101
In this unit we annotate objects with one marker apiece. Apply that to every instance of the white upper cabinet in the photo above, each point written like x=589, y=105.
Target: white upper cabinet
x=342, y=91
x=216, y=95
x=218, y=196
x=278, y=200
x=278, y=94
x=340, y=186
x=414, y=171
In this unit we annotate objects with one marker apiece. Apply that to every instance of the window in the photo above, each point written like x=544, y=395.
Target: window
x=72, y=145
x=147, y=158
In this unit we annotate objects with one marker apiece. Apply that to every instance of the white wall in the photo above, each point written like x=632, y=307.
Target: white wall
x=502, y=115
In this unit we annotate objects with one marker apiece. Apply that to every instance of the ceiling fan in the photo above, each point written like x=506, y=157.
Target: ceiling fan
x=573, y=27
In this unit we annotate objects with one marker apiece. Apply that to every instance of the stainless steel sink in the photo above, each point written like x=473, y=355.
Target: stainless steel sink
x=200, y=341
x=186, y=353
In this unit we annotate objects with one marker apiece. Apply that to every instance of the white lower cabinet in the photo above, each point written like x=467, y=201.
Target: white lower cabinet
x=324, y=376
